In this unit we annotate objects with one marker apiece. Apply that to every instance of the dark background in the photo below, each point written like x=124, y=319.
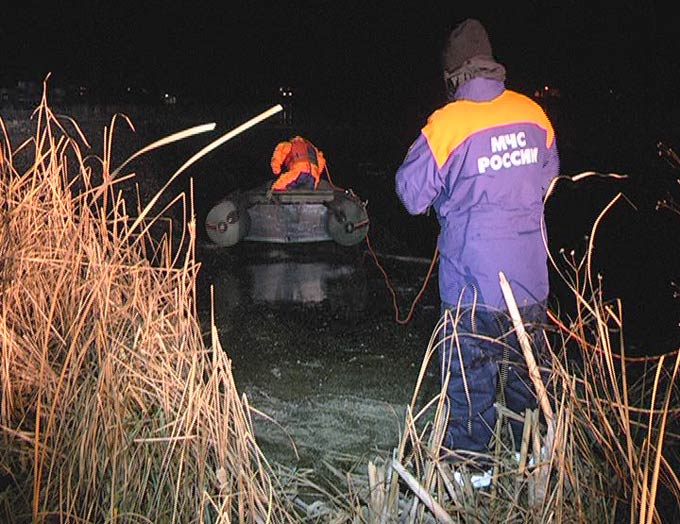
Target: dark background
x=344, y=58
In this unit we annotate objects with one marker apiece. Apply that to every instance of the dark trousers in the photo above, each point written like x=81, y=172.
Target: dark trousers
x=486, y=364
x=303, y=181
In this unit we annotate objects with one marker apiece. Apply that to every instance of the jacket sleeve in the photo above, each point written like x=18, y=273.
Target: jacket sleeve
x=279, y=156
x=418, y=180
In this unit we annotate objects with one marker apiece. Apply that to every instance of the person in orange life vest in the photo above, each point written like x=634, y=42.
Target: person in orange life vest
x=298, y=164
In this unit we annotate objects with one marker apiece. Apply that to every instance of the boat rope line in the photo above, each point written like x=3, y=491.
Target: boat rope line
x=386, y=277
x=390, y=287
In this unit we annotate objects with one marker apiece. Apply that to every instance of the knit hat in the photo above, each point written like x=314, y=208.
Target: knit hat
x=467, y=40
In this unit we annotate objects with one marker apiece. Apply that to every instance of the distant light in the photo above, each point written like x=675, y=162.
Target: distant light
x=169, y=99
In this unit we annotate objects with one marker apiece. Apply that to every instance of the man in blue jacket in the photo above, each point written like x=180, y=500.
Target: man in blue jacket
x=483, y=162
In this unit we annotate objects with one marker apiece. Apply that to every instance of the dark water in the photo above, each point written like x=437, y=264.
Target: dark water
x=314, y=344
x=311, y=328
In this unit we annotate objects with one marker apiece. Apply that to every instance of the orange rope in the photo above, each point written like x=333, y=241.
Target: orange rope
x=391, y=288
x=328, y=175
x=384, y=273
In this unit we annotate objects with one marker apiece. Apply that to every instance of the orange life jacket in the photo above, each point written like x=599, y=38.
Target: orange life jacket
x=302, y=151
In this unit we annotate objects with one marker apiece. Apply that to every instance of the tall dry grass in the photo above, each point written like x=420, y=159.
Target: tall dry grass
x=112, y=406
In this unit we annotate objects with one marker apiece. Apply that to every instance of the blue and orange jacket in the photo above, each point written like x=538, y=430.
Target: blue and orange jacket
x=484, y=163
x=297, y=156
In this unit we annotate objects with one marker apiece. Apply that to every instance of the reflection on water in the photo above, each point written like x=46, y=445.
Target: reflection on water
x=307, y=283
x=288, y=280
x=314, y=346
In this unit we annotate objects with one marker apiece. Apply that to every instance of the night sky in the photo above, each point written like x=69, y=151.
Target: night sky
x=349, y=54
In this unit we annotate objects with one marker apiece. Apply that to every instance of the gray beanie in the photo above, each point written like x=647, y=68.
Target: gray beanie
x=467, y=40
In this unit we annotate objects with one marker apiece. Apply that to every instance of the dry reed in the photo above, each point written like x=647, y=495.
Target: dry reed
x=113, y=407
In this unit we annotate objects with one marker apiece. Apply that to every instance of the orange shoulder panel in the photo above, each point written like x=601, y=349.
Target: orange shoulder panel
x=451, y=125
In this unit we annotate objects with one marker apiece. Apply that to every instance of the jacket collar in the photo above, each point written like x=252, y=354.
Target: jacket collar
x=479, y=89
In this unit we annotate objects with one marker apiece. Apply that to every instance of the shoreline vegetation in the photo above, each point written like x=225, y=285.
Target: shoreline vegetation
x=115, y=407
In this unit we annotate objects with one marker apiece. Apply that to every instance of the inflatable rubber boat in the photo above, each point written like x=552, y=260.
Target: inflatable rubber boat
x=327, y=213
